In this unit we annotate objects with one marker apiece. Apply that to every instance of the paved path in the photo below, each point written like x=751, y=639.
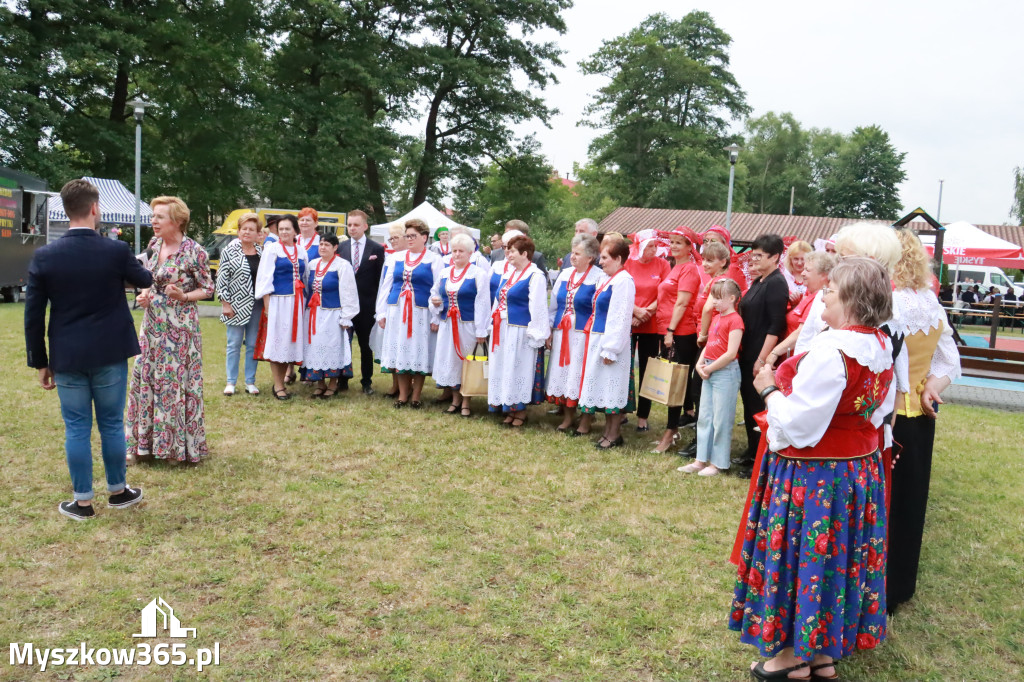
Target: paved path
x=985, y=396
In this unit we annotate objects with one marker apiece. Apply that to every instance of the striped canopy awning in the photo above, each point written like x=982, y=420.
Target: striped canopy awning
x=117, y=204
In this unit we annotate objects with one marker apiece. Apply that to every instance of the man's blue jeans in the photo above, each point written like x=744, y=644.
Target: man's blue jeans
x=236, y=335
x=105, y=388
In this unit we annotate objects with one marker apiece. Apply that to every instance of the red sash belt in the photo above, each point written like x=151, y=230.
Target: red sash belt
x=496, y=334
x=314, y=303
x=297, y=310
x=406, y=297
x=454, y=319
x=565, y=326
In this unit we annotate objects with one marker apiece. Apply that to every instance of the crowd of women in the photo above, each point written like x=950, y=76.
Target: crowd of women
x=840, y=434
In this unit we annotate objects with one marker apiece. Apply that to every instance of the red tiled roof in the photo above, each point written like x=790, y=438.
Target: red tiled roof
x=747, y=226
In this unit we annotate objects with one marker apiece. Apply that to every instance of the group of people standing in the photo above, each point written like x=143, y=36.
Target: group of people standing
x=840, y=434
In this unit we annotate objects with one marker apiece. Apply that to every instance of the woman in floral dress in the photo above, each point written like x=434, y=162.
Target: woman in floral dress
x=810, y=588
x=165, y=398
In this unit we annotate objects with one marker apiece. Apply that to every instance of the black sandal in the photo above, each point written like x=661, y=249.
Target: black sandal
x=282, y=394
x=466, y=412
x=318, y=393
x=815, y=677
x=329, y=393
x=759, y=673
x=289, y=379
x=415, y=404
x=452, y=409
x=399, y=404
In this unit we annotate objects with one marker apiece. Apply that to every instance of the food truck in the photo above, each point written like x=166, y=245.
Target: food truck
x=23, y=228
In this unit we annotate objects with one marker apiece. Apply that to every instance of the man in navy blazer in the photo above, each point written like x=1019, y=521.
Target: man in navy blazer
x=92, y=334
x=367, y=268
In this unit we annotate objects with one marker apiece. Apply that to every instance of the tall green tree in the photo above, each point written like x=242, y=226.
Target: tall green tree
x=667, y=106
x=477, y=65
x=777, y=153
x=863, y=178
x=512, y=186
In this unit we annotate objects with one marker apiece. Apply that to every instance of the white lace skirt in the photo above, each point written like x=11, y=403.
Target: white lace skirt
x=404, y=354
x=279, y=346
x=447, y=363
x=605, y=387
x=564, y=382
x=329, y=348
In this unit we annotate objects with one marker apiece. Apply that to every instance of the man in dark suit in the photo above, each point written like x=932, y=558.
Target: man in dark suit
x=92, y=334
x=367, y=258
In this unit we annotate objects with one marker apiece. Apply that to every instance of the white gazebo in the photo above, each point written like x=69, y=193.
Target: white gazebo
x=428, y=214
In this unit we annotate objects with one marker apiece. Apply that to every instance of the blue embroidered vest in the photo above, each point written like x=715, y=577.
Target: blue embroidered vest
x=582, y=305
x=518, y=301
x=466, y=296
x=329, y=294
x=283, y=284
x=601, y=309
x=422, y=280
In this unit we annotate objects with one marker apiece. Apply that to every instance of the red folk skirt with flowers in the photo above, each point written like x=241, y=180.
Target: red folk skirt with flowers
x=812, y=567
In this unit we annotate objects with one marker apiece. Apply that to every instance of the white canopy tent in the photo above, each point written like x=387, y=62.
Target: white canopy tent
x=428, y=214
x=117, y=204
x=965, y=244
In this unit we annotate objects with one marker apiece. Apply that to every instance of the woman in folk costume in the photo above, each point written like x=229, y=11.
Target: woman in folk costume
x=810, y=588
x=331, y=303
x=571, y=304
x=395, y=244
x=308, y=237
x=607, y=381
x=442, y=246
x=501, y=268
x=461, y=302
x=519, y=330
x=409, y=335
x=932, y=364
x=279, y=282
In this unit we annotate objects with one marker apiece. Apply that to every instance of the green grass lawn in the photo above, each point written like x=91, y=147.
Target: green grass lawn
x=347, y=540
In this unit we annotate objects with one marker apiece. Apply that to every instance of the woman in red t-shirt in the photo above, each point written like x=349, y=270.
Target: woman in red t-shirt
x=648, y=272
x=677, y=296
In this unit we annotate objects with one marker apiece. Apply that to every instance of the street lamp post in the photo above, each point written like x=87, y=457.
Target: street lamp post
x=734, y=153
x=139, y=110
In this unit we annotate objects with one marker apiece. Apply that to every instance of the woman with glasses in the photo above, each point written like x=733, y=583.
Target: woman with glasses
x=810, y=589
x=409, y=339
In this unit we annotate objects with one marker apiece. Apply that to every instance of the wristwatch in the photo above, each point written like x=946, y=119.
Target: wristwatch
x=767, y=392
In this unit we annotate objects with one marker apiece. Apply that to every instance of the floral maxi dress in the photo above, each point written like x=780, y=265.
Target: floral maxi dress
x=165, y=416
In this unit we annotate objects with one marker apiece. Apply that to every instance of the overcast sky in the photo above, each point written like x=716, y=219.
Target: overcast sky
x=943, y=78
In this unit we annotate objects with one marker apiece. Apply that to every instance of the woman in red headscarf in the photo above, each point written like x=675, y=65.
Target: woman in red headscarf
x=648, y=272
x=677, y=295
x=717, y=233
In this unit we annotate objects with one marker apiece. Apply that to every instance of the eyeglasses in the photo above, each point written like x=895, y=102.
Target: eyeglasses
x=756, y=257
x=825, y=291
x=412, y=235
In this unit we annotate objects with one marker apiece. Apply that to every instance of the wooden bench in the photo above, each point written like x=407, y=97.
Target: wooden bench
x=992, y=363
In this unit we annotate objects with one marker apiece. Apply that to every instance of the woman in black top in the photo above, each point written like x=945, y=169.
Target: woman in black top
x=763, y=309
x=241, y=310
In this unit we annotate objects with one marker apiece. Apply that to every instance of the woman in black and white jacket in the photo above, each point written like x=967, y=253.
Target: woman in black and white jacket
x=241, y=310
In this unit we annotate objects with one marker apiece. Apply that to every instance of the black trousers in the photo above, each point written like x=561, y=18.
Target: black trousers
x=752, y=403
x=914, y=437
x=362, y=324
x=685, y=352
x=646, y=346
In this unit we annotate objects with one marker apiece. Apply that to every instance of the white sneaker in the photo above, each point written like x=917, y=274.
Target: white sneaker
x=229, y=389
x=709, y=470
x=693, y=467
x=251, y=389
